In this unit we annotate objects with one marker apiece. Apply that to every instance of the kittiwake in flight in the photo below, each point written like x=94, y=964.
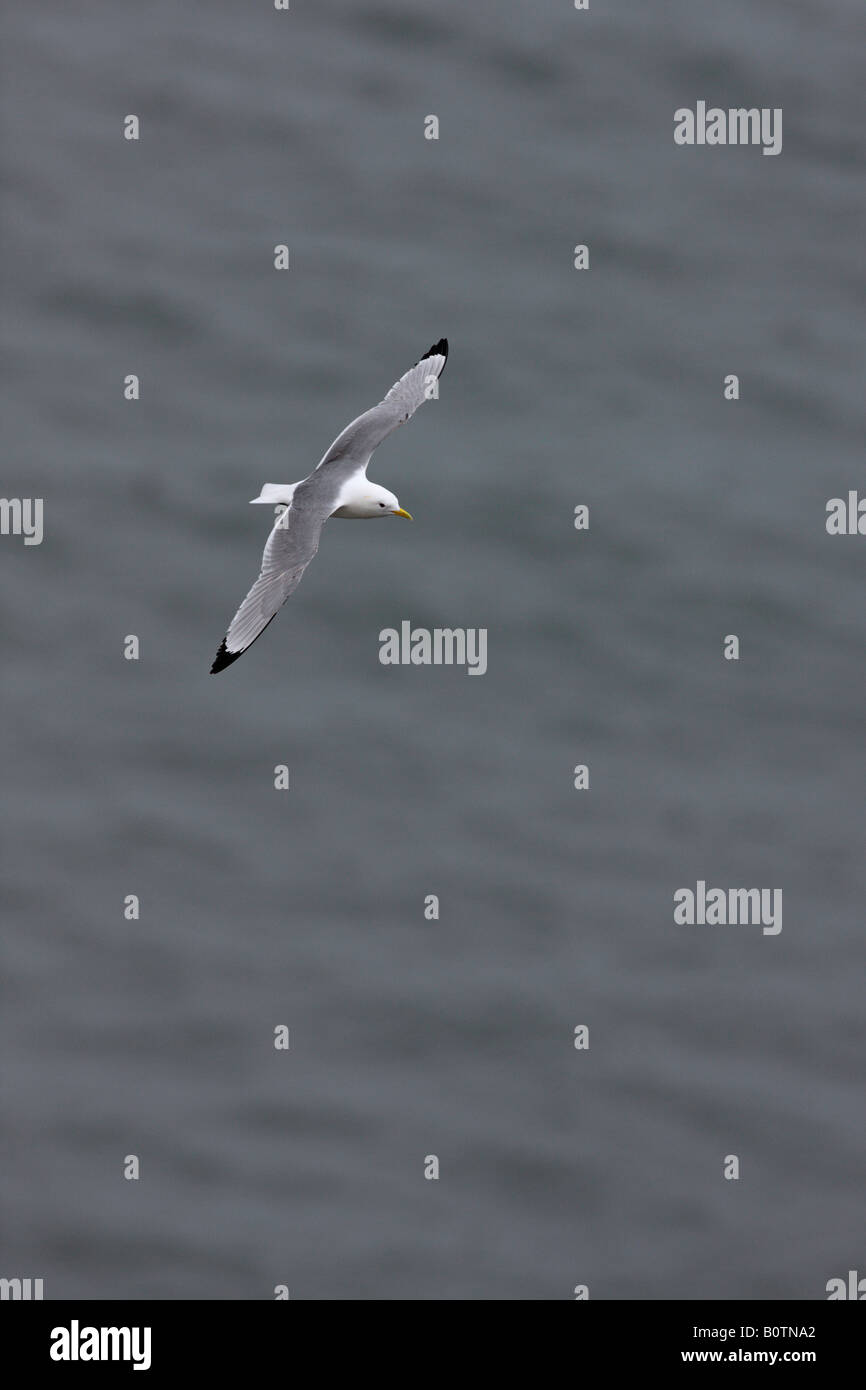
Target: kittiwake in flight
x=338, y=486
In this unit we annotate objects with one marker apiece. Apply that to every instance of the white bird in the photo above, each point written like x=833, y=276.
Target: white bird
x=338, y=486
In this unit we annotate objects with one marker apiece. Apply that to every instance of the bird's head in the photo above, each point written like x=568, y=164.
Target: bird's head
x=381, y=502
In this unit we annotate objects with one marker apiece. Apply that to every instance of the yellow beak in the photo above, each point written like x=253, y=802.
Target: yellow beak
x=398, y=511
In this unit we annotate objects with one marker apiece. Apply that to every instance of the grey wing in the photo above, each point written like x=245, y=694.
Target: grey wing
x=290, y=547
x=352, y=450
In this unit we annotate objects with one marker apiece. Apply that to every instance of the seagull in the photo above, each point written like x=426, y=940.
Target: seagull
x=338, y=486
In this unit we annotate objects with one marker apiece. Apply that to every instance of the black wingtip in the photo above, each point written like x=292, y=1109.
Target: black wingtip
x=439, y=349
x=223, y=658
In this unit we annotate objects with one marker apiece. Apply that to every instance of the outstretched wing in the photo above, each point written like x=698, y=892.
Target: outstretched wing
x=295, y=538
x=352, y=450
x=289, y=549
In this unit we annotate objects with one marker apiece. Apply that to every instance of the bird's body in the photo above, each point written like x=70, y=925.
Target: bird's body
x=337, y=487
x=359, y=500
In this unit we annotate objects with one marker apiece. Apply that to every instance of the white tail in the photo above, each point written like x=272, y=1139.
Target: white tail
x=276, y=492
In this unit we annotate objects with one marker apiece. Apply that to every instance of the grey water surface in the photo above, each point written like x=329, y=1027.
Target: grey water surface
x=411, y=1037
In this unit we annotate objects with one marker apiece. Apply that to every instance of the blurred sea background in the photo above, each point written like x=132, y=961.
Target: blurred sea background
x=306, y=908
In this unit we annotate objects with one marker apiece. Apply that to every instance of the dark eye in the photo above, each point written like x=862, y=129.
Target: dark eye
x=381, y=504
